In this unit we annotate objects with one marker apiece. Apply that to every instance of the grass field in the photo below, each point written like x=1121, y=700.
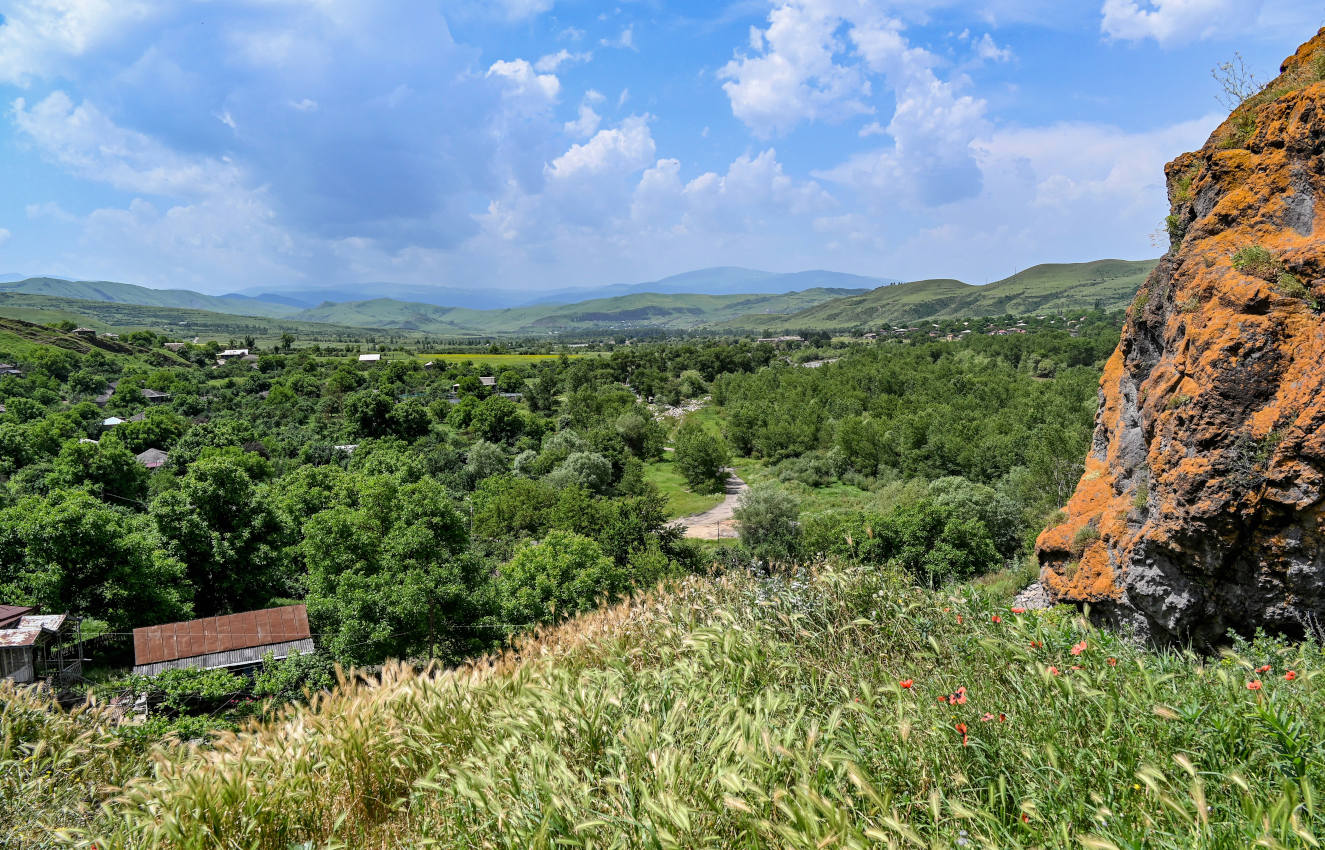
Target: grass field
x=842, y=708
x=680, y=501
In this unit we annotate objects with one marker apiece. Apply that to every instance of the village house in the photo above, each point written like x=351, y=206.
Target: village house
x=369, y=358
x=154, y=396
x=38, y=646
x=152, y=458
x=230, y=642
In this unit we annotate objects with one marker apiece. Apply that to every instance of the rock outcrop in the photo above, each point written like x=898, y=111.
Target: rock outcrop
x=1202, y=506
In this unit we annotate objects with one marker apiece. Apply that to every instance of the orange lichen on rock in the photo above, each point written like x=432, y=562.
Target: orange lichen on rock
x=1202, y=506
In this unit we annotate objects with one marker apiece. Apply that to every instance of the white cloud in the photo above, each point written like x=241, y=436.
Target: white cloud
x=306, y=104
x=625, y=41
x=1175, y=21
x=874, y=128
x=627, y=148
x=796, y=77
x=38, y=37
x=532, y=90
x=50, y=210
x=586, y=124
x=4, y=236
x=83, y=140
x=988, y=50
x=552, y=61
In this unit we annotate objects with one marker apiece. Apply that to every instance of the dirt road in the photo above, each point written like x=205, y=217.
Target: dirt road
x=716, y=522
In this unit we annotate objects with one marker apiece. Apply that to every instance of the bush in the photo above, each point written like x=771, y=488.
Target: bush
x=290, y=678
x=563, y=574
x=589, y=471
x=701, y=458
x=767, y=519
x=1256, y=261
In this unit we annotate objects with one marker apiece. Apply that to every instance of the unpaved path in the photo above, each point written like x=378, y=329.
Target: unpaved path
x=716, y=522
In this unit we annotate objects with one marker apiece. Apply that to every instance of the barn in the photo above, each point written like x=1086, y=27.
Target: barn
x=229, y=642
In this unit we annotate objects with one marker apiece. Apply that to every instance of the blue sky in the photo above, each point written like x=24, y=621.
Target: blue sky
x=547, y=143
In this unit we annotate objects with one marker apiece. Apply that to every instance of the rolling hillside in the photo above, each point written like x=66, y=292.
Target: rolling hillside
x=127, y=293
x=182, y=323
x=680, y=311
x=1052, y=286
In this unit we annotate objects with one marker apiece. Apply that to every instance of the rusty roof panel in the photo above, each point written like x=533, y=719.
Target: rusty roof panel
x=19, y=637
x=173, y=641
x=10, y=614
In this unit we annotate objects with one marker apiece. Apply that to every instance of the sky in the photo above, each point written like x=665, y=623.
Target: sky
x=539, y=144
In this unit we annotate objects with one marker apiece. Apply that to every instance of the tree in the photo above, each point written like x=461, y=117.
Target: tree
x=701, y=458
x=225, y=531
x=69, y=552
x=937, y=543
x=107, y=471
x=767, y=520
x=287, y=341
x=497, y=420
x=587, y=470
x=369, y=412
x=389, y=578
x=485, y=460
x=563, y=574
x=510, y=381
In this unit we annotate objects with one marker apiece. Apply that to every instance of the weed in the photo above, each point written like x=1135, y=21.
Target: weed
x=1141, y=497
x=1176, y=227
x=1257, y=261
x=1081, y=541
x=1177, y=400
x=1190, y=305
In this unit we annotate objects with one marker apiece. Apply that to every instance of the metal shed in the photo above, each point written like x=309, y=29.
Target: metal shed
x=226, y=642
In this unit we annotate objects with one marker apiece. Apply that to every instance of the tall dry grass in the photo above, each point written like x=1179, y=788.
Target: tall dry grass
x=749, y=712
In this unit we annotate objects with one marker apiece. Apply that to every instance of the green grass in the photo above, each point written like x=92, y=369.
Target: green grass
x=842, y=708
x=1051, y=286
x=680, y=501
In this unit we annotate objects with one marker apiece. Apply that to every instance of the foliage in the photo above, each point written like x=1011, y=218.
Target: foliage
x=809, y=701
x=563, y=574
x=287, y=680
x=767, y=519
x=701, y=458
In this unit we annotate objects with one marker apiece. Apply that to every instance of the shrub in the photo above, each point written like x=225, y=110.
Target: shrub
x=1081, y=541
x=563, y=574
x=701, y=458
x=1256, y=261
x=767, y=520
x=1176, y=227
x=589, y=471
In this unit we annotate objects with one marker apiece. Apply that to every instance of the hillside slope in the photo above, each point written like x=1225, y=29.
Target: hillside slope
x=837, y=708
x=1110, y=284
x=1202, y=507
x=183, y=323
x=678, y=311
x=127, y=293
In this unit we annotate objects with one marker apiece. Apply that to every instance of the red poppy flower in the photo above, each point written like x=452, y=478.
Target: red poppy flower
x=946, y=609
x=1035, y=644
x=907, y=683
x=1079, y=648
x=1264, y=668
x=959, y=619
x=943, y=697
x=1113, y=662
x=1025, y=818
x=1076, y=666
x=1002, y=718
x=995, y=619
x=986, y=718
x=1053, y=671
x=1254, y=685
x=1018, y=610
x=961, y=728
x=1290, y=675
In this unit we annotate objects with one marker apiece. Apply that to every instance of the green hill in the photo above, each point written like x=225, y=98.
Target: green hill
x=127, y=293
x=674, y=311
x=182, y=323
x=1051, y=286
x=18, y=339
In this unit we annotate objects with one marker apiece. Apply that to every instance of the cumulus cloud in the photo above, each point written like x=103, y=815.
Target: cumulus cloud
x=1174, y=21
x=525, y=85
x=552, y=61
x=39, y=37
x=988, y=50
x=81, y=138
x=586, y=124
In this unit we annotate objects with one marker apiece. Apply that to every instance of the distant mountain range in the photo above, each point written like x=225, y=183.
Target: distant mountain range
x=668, y=304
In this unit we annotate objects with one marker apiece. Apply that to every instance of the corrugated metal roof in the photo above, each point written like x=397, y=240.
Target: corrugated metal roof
x=220, y=634
x=52, y=622
x=19, y=637
x=11, y=614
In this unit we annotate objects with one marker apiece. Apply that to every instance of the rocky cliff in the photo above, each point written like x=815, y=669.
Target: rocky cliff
x=1202, y=506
